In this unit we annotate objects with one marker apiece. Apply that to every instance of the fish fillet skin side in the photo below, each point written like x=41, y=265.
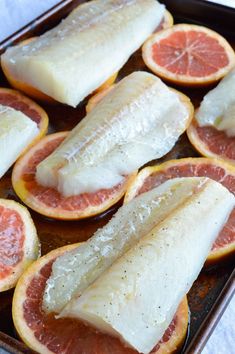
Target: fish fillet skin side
x=136, y=298
x=73, y=59
x=16, y=133
x=138, y=121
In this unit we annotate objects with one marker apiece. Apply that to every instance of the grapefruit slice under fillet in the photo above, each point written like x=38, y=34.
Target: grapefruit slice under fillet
x=45, y=334
x=188, y=55
x=18, y=101
x=19, y=244
x=167, y=22
x=97, y=97
x=38, y=95
x=151, y=177
x=48, y=201
x=211, y=142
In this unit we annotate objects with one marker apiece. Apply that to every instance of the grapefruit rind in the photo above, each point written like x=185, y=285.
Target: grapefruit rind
x=109, y=82
x=23, y=86
x=96, y=98
x=44, y=121
x=216, y=254
x=180, y=79
x=177, y=339
x=188, y=104
x=168, y=20
x=31, y=246
x=26, y=334
x=33, y=203
x=201, y=146
x=221, y=253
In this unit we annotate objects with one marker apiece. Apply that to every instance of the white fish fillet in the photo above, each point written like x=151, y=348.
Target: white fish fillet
x=84, y=50
x=16, y=132
x=136, y=298
x=218, y=106
x=138, y=121
x=74, y=271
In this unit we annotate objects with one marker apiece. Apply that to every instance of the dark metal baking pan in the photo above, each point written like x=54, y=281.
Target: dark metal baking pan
x=213, y=289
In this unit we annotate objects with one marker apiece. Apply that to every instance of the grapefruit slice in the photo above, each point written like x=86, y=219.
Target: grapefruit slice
x=95, y=99
x=48, y=201
x=35, y=93
x=19, y=245
x=167, y=22
x=107, y=83
x=188, y=55
x=45, y=334
x=220, y=171
x=211, y=142
x=18, y=101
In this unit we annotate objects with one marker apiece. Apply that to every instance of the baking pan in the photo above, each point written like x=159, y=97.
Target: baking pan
x=215, y=286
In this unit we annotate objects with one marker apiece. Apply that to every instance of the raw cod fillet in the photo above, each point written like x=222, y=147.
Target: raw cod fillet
x=16, y=132
x=129, y=224
x=136, y=298
x=72, y=60
x=218, y=106
x=138, y=121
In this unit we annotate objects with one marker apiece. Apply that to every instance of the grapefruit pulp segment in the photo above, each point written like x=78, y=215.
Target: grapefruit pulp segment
x=32, y=110
x=210, y=142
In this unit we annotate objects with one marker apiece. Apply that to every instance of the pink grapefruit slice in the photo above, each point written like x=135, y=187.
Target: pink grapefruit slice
x=48, y=201
x=18, y=101
x=151, y=177
x=167, y=22
x=96, y=98
x=188, y=55
x=211, y=142
x=19, y=244
x=45, y=334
